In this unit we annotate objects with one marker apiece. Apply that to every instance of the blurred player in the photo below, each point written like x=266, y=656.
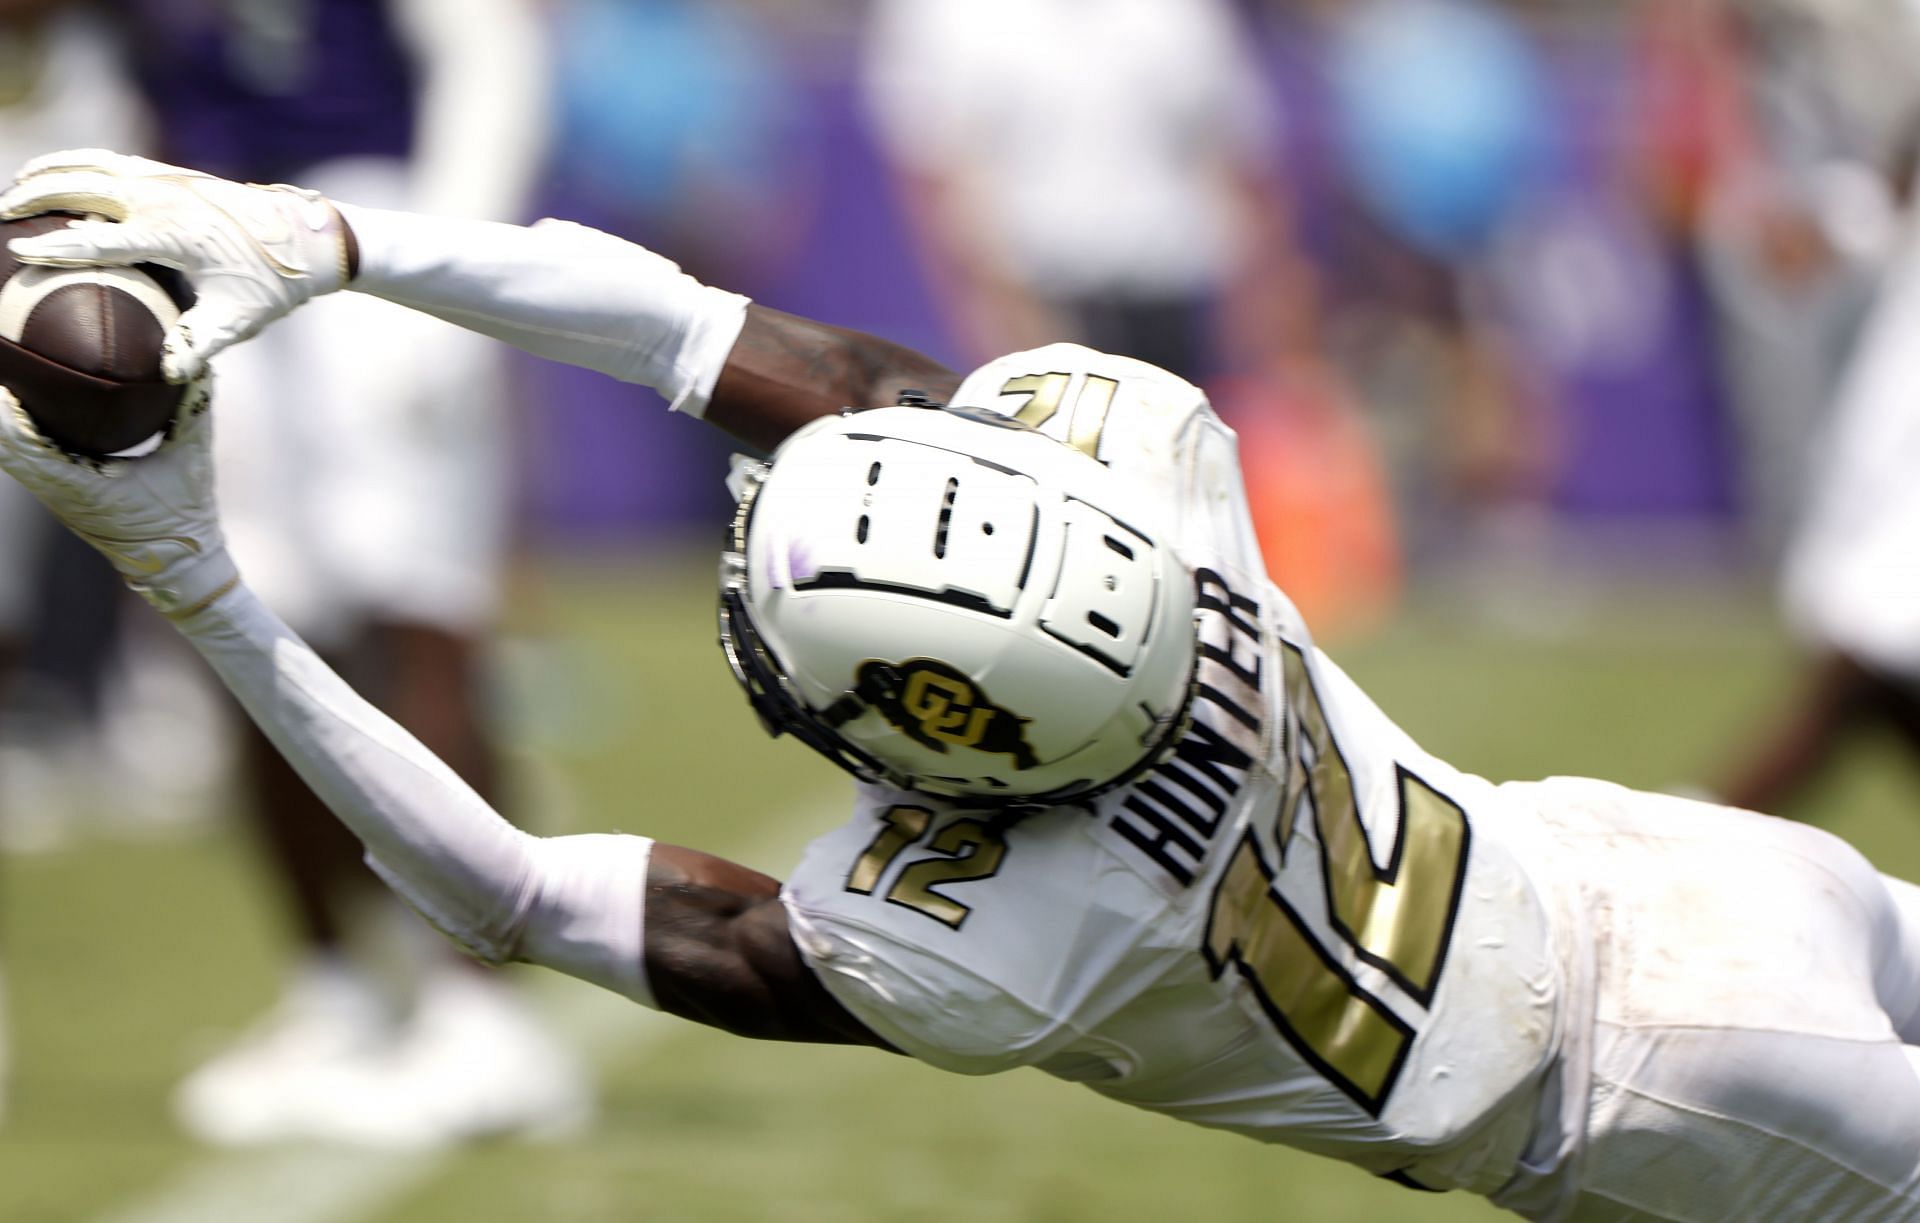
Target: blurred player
x=1008, y=177
x=1438, y=134
x=1784, y=133
x=1118, y=818
x=1812, y=239
x=1013, y=178
x=370, y=508
x=1851, y=579
x=58, y=81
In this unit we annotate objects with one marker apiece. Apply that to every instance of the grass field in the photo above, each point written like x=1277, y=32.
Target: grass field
x=126, y=960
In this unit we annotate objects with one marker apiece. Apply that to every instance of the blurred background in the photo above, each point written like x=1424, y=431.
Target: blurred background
x=1564, y=342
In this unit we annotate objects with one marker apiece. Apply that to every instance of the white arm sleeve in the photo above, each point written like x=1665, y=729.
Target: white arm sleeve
x=558, y=290
x=575, y=903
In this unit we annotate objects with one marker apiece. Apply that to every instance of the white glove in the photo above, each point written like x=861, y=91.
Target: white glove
x=252, y=253
x=153, y=518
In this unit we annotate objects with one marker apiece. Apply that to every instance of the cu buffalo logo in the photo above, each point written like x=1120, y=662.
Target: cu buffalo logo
x=938, y=706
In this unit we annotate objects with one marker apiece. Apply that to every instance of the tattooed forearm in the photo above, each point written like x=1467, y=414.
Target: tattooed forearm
x=785, y=371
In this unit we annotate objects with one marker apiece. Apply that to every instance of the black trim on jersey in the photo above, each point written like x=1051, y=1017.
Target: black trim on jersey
x=1353, y=1091
x=1205, y=581
x=1209, y=753
x=1251, y=677
x=1199, y=752
x=951, y=867
x=1159, y=843
x=1211, y=693
x=1389, y=873
x=1401, y=776
x=1149, y=788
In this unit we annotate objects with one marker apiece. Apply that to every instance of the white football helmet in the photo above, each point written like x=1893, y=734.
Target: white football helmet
x=949, y=601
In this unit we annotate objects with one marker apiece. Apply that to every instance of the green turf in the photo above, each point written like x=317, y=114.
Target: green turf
x=127, y=960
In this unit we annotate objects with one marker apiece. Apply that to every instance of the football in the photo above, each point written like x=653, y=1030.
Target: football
x=80, y=347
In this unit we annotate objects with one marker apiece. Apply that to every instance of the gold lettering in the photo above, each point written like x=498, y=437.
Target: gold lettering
x=902, y=827
x=1087, y=408
x=973, y=848
x=1090, y=408
x=1398, y=918
x=963, y=851
x=1350, y=1034
x=945, y=709
x=1044, y=392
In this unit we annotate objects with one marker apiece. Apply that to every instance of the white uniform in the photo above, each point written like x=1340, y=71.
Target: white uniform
x=364, y=448
x=1852, y=575
x=1838, y=106
x=364, y=458
x=1304, y=928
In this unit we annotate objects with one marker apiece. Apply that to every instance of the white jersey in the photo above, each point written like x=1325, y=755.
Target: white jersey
x=1851, y=581
x=1300, y=927
x=950, y=91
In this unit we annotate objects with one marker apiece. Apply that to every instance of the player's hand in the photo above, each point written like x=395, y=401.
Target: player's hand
x=153, y=518
x=252, y=253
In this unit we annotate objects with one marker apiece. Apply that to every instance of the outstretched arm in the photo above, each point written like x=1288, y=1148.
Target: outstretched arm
x=574, y=294
x=557, y=290
x=785, y=370
x=691, y=933
x=719, y=952
x=687, y=932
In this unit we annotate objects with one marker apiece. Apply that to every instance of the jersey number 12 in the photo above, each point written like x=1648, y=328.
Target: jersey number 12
x=1397, y=918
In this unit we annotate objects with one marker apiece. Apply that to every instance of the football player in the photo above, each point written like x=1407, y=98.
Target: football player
x=377, y=531
x=1116, y=818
